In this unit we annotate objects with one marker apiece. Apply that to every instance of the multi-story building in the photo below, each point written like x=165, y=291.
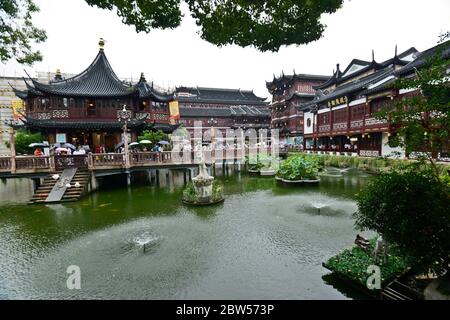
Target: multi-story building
x=341, y=119
x=83, y=109
x=222, y=108
x=288, y=92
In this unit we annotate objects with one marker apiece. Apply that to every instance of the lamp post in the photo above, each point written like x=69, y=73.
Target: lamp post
x=124, y=116
x=12, y=142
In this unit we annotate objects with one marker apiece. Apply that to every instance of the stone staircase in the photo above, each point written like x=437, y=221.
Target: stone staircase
x=71, y=194
x=397, y=290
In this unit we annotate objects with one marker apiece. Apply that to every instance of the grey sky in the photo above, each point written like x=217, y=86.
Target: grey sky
x=180, y=57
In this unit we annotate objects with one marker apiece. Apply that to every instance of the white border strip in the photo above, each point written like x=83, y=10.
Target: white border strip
x=359, y=101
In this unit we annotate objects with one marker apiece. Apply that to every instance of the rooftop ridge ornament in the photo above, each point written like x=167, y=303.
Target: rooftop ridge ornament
x=142, y=79
x=101, y=44
x=58, y=75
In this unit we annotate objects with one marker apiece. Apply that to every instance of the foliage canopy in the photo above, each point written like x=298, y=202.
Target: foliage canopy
x=411, y=209
x=17, y=32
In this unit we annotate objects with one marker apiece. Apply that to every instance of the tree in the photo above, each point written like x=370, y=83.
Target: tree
x=153, y=136
x=411, y=209
x=23, y=139
x=423, y=119
x=17, y=33
x=265, y=24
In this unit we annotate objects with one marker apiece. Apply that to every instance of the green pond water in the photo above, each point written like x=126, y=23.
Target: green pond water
x=266, y=241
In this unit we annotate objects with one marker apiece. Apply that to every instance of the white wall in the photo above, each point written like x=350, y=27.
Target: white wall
x=306, y=116
x=386, y=150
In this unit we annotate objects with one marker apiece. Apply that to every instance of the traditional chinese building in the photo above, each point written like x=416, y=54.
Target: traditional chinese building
x=83, y=109
x=288, y=92
x=222, y=108
x=341, y=118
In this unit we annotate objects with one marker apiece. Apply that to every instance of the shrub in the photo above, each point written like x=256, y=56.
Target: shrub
x=410, y=208
x=190, y=195
x=353, y=263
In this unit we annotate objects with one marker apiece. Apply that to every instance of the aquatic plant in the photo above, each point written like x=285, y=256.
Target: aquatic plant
x=299, y=167
x=353, y=263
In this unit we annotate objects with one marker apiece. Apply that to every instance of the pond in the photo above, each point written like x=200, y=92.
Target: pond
x=266, y=241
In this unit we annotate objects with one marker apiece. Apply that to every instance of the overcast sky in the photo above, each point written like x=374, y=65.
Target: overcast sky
x=179, y=57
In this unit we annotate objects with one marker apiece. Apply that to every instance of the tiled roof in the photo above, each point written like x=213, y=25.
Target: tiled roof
x=340, y=77
x=98, y=80
x=234, y=111
x=85, y=124
x=423, y=57
x=218, y=95
x=147, y=91
x=351, y=87
x=295, y=76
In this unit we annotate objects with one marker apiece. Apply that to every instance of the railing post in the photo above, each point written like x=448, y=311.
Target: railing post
x=52, y=164
x=90, y=161
x=13, y=150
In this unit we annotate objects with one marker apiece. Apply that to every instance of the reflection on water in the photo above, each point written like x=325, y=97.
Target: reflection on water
x=266, y=241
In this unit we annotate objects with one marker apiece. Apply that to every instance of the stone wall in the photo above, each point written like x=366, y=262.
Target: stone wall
x=7, y=97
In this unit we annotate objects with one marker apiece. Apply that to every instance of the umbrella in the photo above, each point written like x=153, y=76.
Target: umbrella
x=133, y=144
x=38, y=145
x=69, y=145
x=61, y=149
x=163, y=142
x=119, y=145
x=145, y=142
x=56, y=145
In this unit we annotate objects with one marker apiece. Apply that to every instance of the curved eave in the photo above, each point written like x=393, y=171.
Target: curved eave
x=229, y=102
x=164, y=127
x=47, y=89
x=84, y=124
x=22, y=94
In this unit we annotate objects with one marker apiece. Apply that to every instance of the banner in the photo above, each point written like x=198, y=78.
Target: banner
x=174, y=111
x=18, y=108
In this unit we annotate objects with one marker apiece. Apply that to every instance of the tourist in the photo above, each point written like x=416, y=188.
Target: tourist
x=38, y=152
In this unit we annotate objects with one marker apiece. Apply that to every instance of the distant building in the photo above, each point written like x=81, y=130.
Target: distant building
x=222, y=108
x=341, y=118
x=288, y=92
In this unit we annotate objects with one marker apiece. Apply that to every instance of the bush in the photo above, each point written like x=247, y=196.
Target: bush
x=410, y=208
x=190, y=195
x=353, y=263
x=299, y=167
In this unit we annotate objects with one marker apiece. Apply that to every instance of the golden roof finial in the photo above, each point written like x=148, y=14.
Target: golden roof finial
x=101, y=44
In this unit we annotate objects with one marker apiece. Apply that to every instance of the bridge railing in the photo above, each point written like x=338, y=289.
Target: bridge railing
x=102, y=160
x=32, y=163
x=70, y=161
x=5, y=164
x=117, y=160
